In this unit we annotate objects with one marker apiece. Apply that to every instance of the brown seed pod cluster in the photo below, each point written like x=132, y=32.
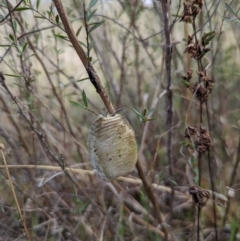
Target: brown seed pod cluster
x=207, y=80
x=191, y=8
x=200, y=90
x=199, y=196
x=201, y=141
x=195, y=49
x=112, y=147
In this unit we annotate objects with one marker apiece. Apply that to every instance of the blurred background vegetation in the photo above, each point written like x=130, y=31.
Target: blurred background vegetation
x=126, y=47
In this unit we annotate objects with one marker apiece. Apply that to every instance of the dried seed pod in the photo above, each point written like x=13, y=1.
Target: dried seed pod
x=112, y=147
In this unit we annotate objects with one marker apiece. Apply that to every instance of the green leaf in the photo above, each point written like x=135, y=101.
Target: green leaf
x=78, y=31
x=14, y=75
x=230, y=9
x=226, y=18
x=148, y=119
x=11, y=37
x=90, y=14
x=96, y=25
x=91, y=4
x=83, y=44
x=24, y=47
x=207, y=37
x=84, y=97
x=82, y=79
x=38, y=17
x=76, y=104
x=144, y=113
x=139, y=114
x=5, y=45
x=21, y=9
x=91, y=46
x=61, y=36
x=172, y=181
x=14, y=25
x=57, y=19
x=37, y=4
x=150, y=111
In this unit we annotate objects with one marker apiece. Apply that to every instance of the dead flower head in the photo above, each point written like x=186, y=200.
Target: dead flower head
x=193, y=49
x=208, y=81
x=199, y=196
x=190, y=10
x=202, y=141
x=201, y=92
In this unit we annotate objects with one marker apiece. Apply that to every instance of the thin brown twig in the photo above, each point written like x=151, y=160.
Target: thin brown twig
x=14, y=194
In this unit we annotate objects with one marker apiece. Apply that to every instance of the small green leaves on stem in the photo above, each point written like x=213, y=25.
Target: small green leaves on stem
x=57, y=19
x=14, y=25
x=76, y=104
x=90, y=14
x=84, y=98
x=85, y=102
x=61, y=36
x=207, y=37
x=234, y=19
x=144, y=116
x=38, y=3
x=95, y=25
x=14, y=75
x=230, y=9
x=78, y=31
x=21, y=9
x=11, y=37
x=21, y=48
x=91, y=4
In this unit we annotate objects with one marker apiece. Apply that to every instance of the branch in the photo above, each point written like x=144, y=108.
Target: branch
x=97, y=84
x=89, y=68
x=168, y=58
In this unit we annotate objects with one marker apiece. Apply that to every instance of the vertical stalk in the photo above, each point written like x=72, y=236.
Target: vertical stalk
x=168, y=59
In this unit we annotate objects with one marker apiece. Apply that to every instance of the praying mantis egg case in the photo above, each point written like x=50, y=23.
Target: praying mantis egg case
x=112, y=147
